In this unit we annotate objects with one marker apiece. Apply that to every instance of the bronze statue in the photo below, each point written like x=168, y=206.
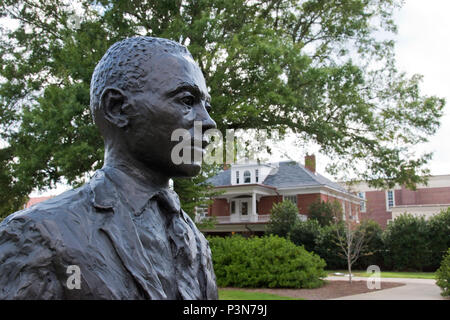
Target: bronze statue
x=122, y=235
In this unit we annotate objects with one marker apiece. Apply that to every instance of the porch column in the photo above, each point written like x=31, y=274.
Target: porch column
x=254, y=215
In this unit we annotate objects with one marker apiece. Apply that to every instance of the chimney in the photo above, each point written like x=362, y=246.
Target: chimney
x=310, y=163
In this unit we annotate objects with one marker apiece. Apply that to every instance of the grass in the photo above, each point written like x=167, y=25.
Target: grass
x=245, y=295
x=389, y=274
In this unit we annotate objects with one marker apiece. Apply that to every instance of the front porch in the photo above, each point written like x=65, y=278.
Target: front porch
x=246, y=203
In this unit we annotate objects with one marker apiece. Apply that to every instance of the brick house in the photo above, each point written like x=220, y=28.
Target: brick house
x=35, y=200
x=250, y=190
x=384, y=206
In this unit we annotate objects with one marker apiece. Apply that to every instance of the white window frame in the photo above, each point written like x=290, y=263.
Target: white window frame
x=290, y=198
x=387, y=200
x=256, y=176
x=362, y=203
x=249, y=176
x=231, y=206
x=237, y=176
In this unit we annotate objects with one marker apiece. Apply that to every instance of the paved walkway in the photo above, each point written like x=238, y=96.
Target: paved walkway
x=414, y=289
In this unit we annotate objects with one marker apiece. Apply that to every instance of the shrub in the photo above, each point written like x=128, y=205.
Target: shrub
x=372, y=253
x=283, y=217
x=406, y=243
x=327, y=247
x=306, y=233
x=439, y=237
x=443, y=275
x=268, y=261
x=325, y=212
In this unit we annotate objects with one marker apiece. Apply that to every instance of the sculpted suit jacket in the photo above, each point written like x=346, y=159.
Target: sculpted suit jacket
x=127, y=244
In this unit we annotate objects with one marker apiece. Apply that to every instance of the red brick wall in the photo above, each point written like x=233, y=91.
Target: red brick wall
x=376, y=201
x=305, y=200
x=376, y=207
x=265, y=204
x=220, y=207
x=432, y=196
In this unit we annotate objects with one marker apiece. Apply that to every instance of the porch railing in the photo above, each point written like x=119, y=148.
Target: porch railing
x=249, y=218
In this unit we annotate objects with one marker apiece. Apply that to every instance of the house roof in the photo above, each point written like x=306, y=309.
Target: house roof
x=289, y=174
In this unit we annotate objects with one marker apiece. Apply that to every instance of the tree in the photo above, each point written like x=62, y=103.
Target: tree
x=283, y=216
x=443, y=275
x=195, y=192
x=11, y=196
x=438, y=237
x=325, y=212
x=352, y=241
x=314, y=67
x=305, y=233
x=407, y=243
x=372, y=252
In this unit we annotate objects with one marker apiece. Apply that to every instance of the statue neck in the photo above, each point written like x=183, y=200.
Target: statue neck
x=150, y=178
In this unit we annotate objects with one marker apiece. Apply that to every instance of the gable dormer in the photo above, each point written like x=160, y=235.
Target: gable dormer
x=250, y=173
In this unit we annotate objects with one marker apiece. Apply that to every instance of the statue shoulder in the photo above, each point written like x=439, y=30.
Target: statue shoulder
x=33, y=245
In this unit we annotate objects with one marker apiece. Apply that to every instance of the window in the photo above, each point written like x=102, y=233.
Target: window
x=292, y=199
x=390, y=200
x=233, y=207
x=244, y=208
x=256, y=175
x=237, y=177
x=362, y=204
x=247, y=176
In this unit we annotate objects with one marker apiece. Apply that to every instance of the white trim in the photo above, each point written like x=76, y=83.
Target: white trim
x=436, y=181
x=244, y=189
x=293, y=195
x=387, y=199
x=362, y=202
x=349, y=199
x=344, y=207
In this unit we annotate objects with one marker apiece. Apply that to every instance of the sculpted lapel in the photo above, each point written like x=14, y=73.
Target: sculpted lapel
x=118, y=226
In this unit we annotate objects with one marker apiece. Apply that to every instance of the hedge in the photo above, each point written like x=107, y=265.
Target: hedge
x=268, y=261
x=443, y=275
x=409, y=243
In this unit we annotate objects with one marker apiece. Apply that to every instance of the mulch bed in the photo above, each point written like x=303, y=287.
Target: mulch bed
x=332, y=289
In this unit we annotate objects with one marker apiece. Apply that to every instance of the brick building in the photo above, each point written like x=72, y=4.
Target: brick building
x=250, y=190
x=384, y=206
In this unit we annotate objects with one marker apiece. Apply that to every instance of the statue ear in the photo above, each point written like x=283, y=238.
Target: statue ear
x=113, y=102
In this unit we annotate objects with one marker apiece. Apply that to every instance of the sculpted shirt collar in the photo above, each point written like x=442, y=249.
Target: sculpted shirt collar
x=110, y=185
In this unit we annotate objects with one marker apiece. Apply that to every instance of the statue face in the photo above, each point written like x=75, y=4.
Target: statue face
x=175, y=95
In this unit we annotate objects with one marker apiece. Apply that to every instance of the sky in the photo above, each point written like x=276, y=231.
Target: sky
x=423, y=47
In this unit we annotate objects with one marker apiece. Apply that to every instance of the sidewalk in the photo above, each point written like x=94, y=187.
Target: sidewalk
x=414, y=289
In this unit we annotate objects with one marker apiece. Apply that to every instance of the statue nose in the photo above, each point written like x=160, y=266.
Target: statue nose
x=208, y=123
x=205, y=118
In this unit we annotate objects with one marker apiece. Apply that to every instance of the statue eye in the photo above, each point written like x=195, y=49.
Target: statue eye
x=189, y=100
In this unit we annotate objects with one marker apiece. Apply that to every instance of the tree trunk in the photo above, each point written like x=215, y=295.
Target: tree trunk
x=349, y=270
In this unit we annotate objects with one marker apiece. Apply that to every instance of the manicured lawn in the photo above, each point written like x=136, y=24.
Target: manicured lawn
x=244, y=295
x=389, y=274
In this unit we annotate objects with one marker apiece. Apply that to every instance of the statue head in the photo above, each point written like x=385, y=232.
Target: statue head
x=142, y=90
